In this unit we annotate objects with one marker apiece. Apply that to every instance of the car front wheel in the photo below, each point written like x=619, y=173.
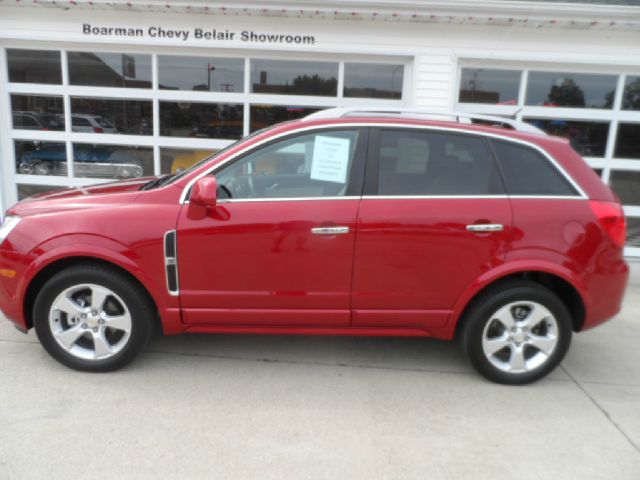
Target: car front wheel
x=516, y=334
x=93, y=318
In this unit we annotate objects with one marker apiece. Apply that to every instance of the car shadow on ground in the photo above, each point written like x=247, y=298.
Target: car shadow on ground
x=420, y=354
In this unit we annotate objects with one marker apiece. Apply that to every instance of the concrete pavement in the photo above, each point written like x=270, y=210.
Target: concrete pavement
x=245, y=407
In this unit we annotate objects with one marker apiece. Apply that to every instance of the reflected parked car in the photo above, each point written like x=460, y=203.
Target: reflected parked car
x=89, y=161
x=92, y=124
x=37, y=121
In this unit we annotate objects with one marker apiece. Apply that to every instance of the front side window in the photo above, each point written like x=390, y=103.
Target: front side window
x=312, y=165
x=435, y=164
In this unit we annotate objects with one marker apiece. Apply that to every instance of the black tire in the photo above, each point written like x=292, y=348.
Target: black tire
x=140, y=308
x=481, y=312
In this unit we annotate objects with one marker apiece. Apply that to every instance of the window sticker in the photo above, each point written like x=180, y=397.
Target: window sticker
x=330, y=159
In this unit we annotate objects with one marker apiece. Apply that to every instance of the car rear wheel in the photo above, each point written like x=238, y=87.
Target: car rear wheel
x=516, y=334
x=93, y=318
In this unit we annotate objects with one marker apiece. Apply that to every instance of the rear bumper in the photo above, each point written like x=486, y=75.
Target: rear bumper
x=606, y=292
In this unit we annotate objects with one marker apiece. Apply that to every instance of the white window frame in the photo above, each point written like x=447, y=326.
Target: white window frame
x=153, y=94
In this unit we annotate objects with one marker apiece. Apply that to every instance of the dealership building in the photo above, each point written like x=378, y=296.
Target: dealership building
x=99, y=90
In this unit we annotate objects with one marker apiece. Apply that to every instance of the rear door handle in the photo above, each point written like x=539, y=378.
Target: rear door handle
x=485, y=227
x=329, y=230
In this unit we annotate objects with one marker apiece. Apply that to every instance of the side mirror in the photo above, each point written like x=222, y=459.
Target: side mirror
x=204, y=195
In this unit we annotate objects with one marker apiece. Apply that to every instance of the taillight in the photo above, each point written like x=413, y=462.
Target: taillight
x=611, y=218
x=97, y=130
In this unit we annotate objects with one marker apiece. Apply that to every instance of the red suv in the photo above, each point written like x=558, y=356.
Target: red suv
x=344, y=223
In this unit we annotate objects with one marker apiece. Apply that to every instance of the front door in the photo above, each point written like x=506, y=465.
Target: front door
x=434, y=217
x=278, y=248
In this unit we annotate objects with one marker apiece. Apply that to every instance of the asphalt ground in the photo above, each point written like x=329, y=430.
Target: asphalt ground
x=262, y=407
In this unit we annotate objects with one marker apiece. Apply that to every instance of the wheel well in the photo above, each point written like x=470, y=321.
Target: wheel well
x=50, y=270
x=563, y=289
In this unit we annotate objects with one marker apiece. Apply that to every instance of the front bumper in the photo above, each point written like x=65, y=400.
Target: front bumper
x=10, y=276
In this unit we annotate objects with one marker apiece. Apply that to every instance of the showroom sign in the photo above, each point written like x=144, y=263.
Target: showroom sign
x=214, y=34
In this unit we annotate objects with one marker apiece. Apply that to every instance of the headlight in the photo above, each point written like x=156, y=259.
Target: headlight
x=8, y=224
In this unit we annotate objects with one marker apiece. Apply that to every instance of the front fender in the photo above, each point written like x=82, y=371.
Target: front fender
x=101, y=248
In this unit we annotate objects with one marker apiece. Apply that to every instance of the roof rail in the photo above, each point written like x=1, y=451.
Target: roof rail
x=459, y=117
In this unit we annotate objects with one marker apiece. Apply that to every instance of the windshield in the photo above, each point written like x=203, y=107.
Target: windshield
x=219, y=152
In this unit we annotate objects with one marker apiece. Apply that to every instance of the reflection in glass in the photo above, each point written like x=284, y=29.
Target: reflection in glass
x=294, y=78
x=626, y=183
x=175, y=160
x=112, y=161
x=373, y=80
x=178, y=72
x=587, y=138
x=598, y=171
x=37, y=112
x=25, y=191
x=34, y=66
x=579, y=90
x=265, y=115
x=479, y=85
x=40, y=158
x=633, y=232
x=99, y=69
x=628, y=141
x=631, y=95
x=98, y=115
x=201, y=120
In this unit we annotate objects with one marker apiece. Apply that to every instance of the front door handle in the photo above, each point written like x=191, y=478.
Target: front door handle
x=329, y=230
x=485, y=227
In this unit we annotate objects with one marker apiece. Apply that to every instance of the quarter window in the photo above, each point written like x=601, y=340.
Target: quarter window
x=419, y=163
x=313, y=165
x=527, y=172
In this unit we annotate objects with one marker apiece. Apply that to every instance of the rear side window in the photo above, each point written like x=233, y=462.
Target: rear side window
x=415, y=162
x=528, y=172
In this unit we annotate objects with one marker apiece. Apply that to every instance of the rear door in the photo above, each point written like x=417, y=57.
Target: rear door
x=434, y=217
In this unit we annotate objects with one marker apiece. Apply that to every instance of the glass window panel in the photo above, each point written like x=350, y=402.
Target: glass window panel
x=98, y=115
x=373, y=80
x=419, y=163
x=589, y=139
x=177, y=72
x=112, y=161
x=628, y=141
x=633, y=232
x=626, y=183
x=479, y=85
x=313, y=165
x=37, y=112
x=99, y=69
x=40, y=158
x=265, y=115
x=598, y=171
x=578, y=90
x=34, y=66
x=25, y=191
x=294, y=78
x=175, y=160
x=201, y=120
x=527, y=172
x=631, y=95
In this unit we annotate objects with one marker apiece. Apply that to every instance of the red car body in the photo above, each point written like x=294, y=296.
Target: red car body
x=407, y=266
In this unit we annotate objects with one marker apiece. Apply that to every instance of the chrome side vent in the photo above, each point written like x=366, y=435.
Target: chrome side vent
x=171, y=262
